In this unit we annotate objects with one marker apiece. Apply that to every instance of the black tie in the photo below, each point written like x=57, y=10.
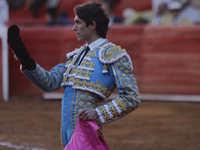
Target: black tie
x=86, y=51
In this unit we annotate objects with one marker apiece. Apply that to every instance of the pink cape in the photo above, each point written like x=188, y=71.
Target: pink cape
x=87, y=136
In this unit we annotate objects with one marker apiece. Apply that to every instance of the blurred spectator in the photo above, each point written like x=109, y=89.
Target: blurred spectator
x=4, y=12
x=52, y=3
x=35, y=5
x=15, y=4
x=161, y=16
x=175, y=9
x=190, y=11
x=51, y=7
x=158, y=16
x=136, y=17
x=184, y=13
x=63, y=19
x=128, y=13
x=50, y=16
x=196, y=3
x=109, y=5
x=156, y=3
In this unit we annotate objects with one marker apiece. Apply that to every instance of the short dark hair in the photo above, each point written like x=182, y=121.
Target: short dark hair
x=92, y=11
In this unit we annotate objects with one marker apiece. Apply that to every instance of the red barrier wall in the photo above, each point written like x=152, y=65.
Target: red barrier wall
x=171, y=60
x=166, y=60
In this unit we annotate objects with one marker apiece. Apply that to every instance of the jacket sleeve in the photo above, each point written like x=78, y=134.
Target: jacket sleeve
x=47, y=81
x=128, y=100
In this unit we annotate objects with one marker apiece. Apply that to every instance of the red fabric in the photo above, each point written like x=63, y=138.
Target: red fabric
x=87, y=136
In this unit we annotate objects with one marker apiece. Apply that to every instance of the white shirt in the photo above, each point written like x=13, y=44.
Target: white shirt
x=96, y=43
x=92, y=45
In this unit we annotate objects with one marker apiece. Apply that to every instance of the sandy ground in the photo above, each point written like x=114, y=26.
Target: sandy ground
x=32, y=123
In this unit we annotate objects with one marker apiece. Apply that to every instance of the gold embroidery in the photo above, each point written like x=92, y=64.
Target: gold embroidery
x=105, y=68
x=126, y=71
x=121, y=68
x=99, y=87
x=81, y=103
x=71, y=63
x=90, y=54
x=113, y=109
x=82, y=96
x=121, y=104
x=111, y=52
x=104, y=113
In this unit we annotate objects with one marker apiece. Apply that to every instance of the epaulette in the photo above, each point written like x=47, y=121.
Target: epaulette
x=110, y=53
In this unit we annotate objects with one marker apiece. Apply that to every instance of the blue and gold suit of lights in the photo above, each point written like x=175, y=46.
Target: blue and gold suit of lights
x=103, y=69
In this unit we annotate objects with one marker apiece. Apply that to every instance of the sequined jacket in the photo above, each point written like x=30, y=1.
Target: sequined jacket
x=102, y=70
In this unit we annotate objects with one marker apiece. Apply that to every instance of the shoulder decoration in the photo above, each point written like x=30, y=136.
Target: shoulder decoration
x=73, y=53
x=110, y=53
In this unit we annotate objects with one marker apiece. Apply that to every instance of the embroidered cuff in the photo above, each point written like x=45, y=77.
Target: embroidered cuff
x=116, y=107
x=100, y=116
x=108, y=111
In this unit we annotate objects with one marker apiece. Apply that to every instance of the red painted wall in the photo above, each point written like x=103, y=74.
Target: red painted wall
x=171, y=60
x=166, y=60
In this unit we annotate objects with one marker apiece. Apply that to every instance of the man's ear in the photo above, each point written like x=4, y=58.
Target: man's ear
x=93, y=25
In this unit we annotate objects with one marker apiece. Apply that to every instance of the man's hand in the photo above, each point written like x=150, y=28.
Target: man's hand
x=15, y=56
x=88, y=114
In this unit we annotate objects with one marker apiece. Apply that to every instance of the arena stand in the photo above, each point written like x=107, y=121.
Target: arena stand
x=24, y=15
x=166, y=60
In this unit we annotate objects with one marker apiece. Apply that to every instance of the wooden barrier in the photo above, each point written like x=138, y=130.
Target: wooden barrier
x=166, y=60
x=171, y=60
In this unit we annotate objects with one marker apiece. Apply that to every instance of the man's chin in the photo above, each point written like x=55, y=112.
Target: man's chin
x=80, y=40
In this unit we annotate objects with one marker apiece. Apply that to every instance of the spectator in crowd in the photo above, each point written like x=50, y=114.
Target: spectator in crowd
x=161, y=16
x=35, y=5
x=184, y=13
x=131, y=17
x=196, y=3
x=50, y=16
x=63, y=19
x=15, y=4
x=51, y=7
x=108, y=6
x=155, y=4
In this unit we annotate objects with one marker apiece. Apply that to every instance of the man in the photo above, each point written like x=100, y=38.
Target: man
x=161, y=16
x=183, y=13
x=87, y=77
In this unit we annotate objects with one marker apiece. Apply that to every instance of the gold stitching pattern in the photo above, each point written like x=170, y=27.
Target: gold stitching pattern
x=104, y=113
x=121, y=104
x=113, y=110
x=111, y=52
x=99, y=87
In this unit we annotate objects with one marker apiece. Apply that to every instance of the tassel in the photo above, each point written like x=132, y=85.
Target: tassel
x=105, y=68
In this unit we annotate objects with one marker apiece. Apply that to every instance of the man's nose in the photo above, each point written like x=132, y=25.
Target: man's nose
x=74, y=27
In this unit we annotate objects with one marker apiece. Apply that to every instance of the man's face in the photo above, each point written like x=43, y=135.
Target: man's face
x=83, y=32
